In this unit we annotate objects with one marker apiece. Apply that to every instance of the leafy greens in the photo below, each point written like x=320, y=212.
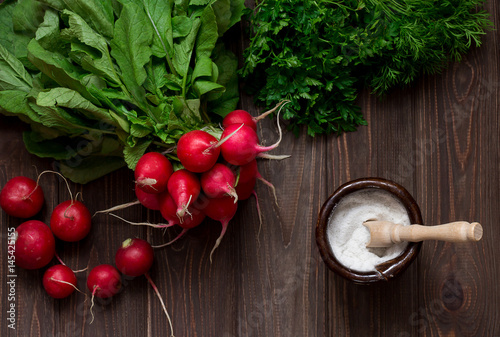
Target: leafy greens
x=318, y=54
x=100, y=82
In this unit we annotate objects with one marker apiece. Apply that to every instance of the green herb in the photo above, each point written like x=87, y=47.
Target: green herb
x=319, y=54
x=101, y=82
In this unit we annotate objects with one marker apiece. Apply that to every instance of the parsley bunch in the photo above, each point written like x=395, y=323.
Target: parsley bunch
x=319, y=54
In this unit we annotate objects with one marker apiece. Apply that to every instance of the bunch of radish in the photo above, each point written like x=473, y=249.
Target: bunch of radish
x=215, y=175
x=35, y=243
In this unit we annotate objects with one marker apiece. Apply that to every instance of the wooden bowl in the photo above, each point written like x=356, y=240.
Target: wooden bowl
x=387, y=270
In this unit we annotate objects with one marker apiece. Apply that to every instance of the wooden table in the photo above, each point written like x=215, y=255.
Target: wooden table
x=439, y=139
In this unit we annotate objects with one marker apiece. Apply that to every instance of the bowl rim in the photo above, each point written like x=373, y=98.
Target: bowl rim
x=384, y=271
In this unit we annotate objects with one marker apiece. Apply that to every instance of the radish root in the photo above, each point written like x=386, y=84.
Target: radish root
x=162, y=303
x=181, y=234
x=265, y=114
x=92, y=304
x=119, y=207
x=70, y=284
x=143, y=223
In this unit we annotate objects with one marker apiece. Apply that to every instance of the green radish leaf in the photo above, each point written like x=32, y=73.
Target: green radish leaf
x=222, y=10
x=58, y=68
x=204, y=87
x=181, y=26
x=204, y=67
x=99, y=14
x=130, y=48
x=15, y=43
x=200, y=2
x=83, y=170
x=207, y=37
x=59, y=149
x=159, y=13
x=225, y=102
x=15, y=102
x=48, y=31
x=133, y=154
x=157, y=77
x=67, y=98
x=27, y=16
x=58, y=118
x=13, y=75
x=184, y=49
x=97, y=59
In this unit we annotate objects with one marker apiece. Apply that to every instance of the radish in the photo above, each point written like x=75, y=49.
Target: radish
x=219, y=181
x=250, y=171
x=243, y=146
x=149, y=200
x=191, y=219
x=104, y=281
x=35, y=245
x=184, y=187
x=21, y=197
x=244, y=189
x=152, y=172
x=242, y=116
x=134, y=258
x=198, y=151
x=70, y=221
x=59, y=281
x=223, y=210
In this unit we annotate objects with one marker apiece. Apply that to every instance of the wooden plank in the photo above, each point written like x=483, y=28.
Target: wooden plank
x=459, y=132
x=377, y=150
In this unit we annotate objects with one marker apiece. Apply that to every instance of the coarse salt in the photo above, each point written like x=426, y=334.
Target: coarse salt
x=348, y=237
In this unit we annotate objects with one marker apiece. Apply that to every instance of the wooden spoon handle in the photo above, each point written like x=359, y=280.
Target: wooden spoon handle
x=459, y=231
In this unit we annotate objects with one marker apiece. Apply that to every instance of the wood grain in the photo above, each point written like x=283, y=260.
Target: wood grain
x=439, y=139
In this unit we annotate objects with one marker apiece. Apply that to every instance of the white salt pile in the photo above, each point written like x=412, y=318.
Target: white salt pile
x=348, y=237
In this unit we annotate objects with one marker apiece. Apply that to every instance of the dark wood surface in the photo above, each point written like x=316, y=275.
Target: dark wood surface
x=439, y=139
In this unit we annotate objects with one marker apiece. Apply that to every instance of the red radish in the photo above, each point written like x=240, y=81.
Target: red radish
x=219, y=181
x=104, y=281
x=35, y=245
x=70, y=221
x=184, y=187
x=191, y=219
x=241, y=144
x=250, y=171
x=223, y=210
x=244, y=189
x=242, y=147
x=198, y=151
x=168, y=209
x=242, y=116
x=59, y=281
x=152, y=172
x=21, y=197
x=148, y=200
x=134, y=257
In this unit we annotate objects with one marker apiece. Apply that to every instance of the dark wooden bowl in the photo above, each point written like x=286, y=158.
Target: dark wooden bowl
x=387, y=270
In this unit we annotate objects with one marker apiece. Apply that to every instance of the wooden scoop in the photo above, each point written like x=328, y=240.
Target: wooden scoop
x=386, y=233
